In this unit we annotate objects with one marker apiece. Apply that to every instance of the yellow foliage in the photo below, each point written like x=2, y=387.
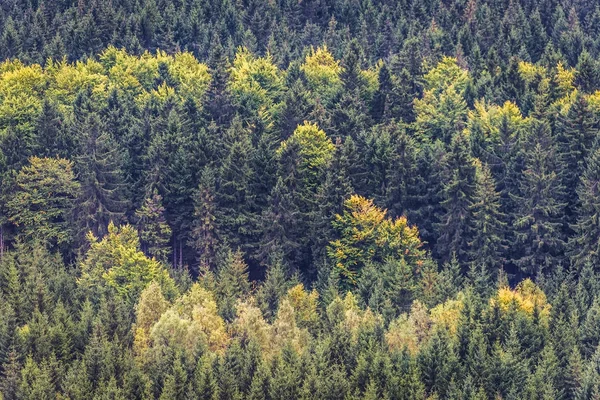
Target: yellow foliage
x=446, y=74
x=192, y=320
x=117, y=261
x=594, y=102
x=22, y=88
x=366, y=233
x=192, y=76
x=530, y=72
x=305, y=306
x=565, y=78
x=527, y=296
x=254, y=81
x=316, y=148
x=447, y=314
x=150, y=306
x=67, y=80
x=250, y=324
x=488, y=118
x=352, y=319
x=322, y=73
x=410, y=330
x=21, y=91
x=286, y=331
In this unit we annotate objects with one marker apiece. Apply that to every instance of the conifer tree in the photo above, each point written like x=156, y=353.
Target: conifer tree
x=437, y=364
x=336, y=189
x=232, y=283
x=584, y=244
x=204, y=232
x=155, y=233
x=99, y=170
x=487, y=246
x=458, y=192
x=52, y=133
x=233, y=196
x=538, y=225
x=577, y=132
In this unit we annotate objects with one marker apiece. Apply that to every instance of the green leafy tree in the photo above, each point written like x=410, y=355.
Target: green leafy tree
x=117, y=262
x=43, y=200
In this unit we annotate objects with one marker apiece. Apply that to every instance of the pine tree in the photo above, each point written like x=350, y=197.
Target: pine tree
x=35, y=382
x=235, y=203
x=274, y=288
x=589, y=337
x=577, y=132
x=52, y=133
x=331, y=195
x=205, y=383
x=402, y=175
x=232, y=283
x=437, y=363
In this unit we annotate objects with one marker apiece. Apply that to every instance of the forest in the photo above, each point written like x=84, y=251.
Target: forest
x=315, y=199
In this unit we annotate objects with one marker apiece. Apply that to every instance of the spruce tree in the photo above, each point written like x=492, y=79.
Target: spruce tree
x=538, y=222
x=204, y=233
x=584, y=245
x=577, y=132
x=488, y=226
x=155, y=233
x=330, y=199
x=100, y=172
x=235, y=203
x=458, y=191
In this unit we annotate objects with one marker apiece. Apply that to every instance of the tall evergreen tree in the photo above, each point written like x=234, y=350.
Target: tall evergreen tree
x=100, y=172
x=488, y=227
x=458, y=192
x=155, y=233
x=538, y=226
x=584, y=244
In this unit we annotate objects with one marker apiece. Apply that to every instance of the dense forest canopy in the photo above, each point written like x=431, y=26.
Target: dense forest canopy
x=317, y=199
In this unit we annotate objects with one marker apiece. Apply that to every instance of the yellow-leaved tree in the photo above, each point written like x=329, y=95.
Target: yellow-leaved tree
x=116, y=261
x=368, y=235
x=322, y=72
x=442, y=110
x=190, y=324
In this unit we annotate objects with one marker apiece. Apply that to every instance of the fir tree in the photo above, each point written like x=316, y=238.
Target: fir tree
x=103, y=188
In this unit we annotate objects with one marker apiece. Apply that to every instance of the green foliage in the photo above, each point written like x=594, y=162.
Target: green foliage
x=43, y=200
x=275, y=134
x=117, y=262
x=367, y=235
x=155, y=233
